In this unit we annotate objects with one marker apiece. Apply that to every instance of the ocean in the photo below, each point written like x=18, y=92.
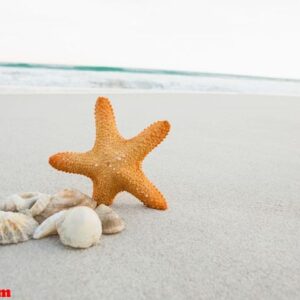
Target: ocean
x=37, y=77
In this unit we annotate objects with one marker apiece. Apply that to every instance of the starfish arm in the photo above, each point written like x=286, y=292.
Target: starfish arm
x=104, y=192
x=149, y=138
x=106, y=128
x=136, y=183
x=71, y=162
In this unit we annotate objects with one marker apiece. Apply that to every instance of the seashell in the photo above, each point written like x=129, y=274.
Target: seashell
x=111, y=221
x=48, y=227
x=21, y=202
x=64, y=199
x=16, y=227
x=39, y=206
x=78, y=227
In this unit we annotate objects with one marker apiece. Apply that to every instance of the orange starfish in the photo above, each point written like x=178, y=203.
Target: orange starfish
x=115, y=164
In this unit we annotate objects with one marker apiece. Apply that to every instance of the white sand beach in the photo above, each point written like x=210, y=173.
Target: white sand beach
x=230, y=170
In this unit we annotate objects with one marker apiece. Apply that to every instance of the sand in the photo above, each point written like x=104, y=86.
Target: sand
x=230, y=170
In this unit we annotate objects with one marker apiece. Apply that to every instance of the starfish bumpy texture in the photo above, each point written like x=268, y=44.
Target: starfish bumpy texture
x=115, y=164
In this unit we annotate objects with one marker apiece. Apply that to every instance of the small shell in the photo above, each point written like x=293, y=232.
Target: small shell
x=111, y=222
x=78, y=227
x=39, y=206
x=16, y=227
x=64, y=199
x=21, y=202
x=48, y=227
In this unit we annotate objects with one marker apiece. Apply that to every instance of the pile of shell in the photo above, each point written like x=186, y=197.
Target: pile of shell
x=69, y=213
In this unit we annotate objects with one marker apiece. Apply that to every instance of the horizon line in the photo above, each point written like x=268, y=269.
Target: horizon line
x=138, y=70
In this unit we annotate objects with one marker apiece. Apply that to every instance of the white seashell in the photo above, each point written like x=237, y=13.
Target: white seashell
x=22, y=201
x=111, y=221
x=48, y=227
x=39, y=206
x=16, y=227
x=78, y=227
x=64, y=199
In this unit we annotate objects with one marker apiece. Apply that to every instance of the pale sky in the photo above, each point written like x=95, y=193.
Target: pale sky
x=255, y=37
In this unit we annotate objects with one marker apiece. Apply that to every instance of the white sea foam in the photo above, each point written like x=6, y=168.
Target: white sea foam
x=16, y=78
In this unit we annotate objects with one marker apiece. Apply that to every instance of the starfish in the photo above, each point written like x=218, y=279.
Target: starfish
x=114, y=164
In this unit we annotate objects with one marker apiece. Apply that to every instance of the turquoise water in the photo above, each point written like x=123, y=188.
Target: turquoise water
x=16, y=76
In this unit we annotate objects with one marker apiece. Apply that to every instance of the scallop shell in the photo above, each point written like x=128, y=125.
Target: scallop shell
x=64, y=199
x=16, y=227
x=22, y=201
x=111, y=221
x=78, y=227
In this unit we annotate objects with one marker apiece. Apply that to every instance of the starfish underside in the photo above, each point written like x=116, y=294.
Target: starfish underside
x=115, y=164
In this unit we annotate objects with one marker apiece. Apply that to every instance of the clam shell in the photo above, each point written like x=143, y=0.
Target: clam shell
x=111, y=221
x=78, y=227
x=64, y=199
x=22, y=201
x=16, y=227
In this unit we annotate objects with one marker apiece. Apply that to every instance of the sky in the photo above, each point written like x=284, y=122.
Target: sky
x=251, y=37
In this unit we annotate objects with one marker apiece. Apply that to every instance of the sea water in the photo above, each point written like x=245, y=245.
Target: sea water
x=21, y=77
